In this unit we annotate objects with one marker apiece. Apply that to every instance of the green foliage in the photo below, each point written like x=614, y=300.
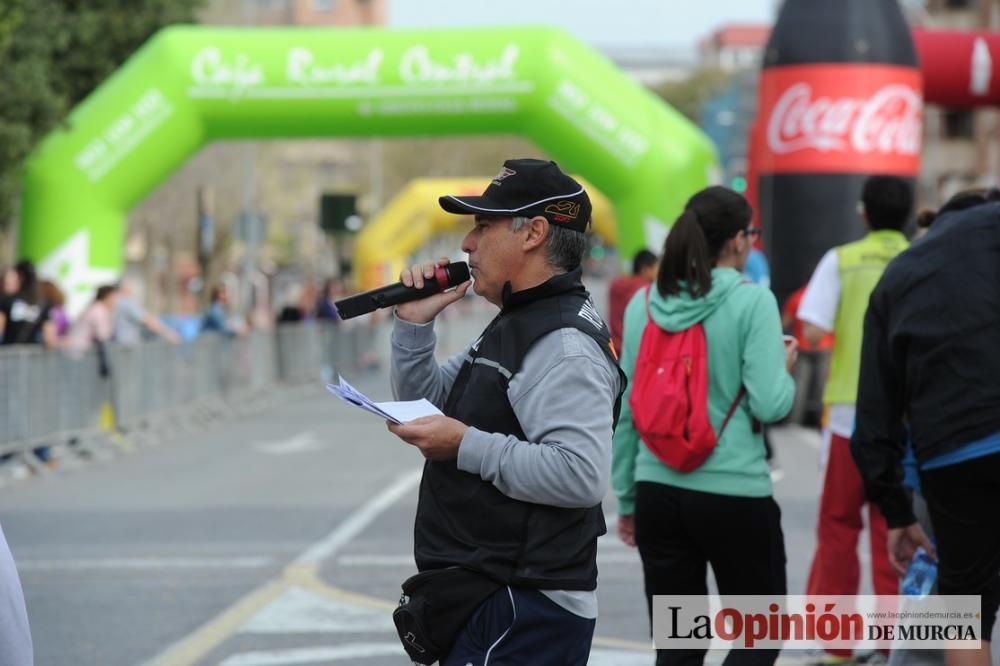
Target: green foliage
x=105, y=33
x=689, y=95
x=53, y=53
x=28, y=105
x=11, y=15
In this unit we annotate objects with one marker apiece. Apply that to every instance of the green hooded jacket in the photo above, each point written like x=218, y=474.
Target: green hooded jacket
x=745, y=346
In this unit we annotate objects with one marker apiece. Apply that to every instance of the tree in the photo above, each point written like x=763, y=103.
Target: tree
x=53, y=53
x=29, y=105
x=102, y=34
x=689, y=95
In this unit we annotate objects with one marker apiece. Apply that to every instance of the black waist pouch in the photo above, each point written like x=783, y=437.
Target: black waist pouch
x=434, y=607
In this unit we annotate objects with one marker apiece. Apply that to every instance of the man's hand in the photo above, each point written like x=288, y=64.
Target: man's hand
x=437, y=437
x=425, y=309
x=626, y=530
x=902, y=544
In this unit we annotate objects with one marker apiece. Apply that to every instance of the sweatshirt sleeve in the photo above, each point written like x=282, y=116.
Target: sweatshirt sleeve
x=626, y=440
x=770, y=388
x=414, y=371
x=563, y=397
x=878, y=444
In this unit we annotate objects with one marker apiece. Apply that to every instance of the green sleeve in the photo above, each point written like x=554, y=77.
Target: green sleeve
x=770, y=388
x=626, y=439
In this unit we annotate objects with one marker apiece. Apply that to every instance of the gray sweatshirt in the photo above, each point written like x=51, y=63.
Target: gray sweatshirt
x=562, y=397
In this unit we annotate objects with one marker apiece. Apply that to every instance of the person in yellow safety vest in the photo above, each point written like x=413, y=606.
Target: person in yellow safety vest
x=835, y=301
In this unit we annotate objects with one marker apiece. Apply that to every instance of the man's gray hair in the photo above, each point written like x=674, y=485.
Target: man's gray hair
x=564, y=248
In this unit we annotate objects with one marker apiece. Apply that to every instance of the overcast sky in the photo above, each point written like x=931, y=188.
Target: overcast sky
x=600, y=23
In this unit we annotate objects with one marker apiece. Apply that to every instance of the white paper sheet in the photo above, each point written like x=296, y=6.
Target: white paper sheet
x=408, y=410
x=395, y=411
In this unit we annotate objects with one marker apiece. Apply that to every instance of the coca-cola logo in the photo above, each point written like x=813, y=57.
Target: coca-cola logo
x=888, y=121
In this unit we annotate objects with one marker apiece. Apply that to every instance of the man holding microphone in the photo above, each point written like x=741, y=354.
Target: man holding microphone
x=518, y=465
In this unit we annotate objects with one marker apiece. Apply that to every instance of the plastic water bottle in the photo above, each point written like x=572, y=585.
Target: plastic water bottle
x=920, y=575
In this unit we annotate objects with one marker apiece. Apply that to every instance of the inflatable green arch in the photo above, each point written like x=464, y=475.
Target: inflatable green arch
x=191, y=85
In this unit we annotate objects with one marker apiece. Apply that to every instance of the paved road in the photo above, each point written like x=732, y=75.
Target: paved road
x=276, y=539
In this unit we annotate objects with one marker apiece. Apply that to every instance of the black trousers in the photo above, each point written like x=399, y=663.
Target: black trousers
x=680, y=532
x=518, y=626
x=963, y=502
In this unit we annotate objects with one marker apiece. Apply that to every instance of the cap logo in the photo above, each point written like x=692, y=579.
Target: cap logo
x=504, y=173
x=563, y=210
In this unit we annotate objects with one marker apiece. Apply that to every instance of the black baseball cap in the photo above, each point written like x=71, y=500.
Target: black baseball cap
x=526, y=188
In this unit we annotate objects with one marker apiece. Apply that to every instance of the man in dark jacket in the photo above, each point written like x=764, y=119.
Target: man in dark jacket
x=931, y=356
x=517, y=466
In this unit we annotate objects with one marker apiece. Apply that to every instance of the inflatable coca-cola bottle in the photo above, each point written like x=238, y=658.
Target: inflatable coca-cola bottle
x=840, y=99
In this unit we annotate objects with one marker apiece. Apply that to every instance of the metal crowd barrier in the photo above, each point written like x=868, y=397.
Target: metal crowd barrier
x=46, y=396
x=51, y=398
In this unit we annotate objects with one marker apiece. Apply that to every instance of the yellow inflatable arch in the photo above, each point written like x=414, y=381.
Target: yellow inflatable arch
x=413, y=216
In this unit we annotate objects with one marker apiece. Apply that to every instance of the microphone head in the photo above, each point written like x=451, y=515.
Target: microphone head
x=458, y=272
x=354, y=306
x=448, y=276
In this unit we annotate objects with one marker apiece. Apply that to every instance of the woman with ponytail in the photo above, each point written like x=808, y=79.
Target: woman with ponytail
x=722, y=512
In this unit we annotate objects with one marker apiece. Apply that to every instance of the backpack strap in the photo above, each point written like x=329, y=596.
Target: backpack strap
x=732, y=409
x=739, y=395
x=755, y=425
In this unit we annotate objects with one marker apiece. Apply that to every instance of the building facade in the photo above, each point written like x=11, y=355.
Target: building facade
x=726, y=116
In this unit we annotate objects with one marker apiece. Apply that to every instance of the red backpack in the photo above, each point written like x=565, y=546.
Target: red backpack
x=669, y=397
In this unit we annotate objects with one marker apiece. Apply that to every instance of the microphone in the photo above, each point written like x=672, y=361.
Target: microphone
x=445, y=277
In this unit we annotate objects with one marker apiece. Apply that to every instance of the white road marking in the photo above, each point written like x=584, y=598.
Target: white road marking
x=314, y=655
x=376, y=561
x=300, y=443
x=192, y=648
x=603, y=657
x=119, y=563
x=359, y=520
x=630, y=556
x=300, y=610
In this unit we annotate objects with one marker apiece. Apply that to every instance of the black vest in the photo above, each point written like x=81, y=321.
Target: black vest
x=465, y=521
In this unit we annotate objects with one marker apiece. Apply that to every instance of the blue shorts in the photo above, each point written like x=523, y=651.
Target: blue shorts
x=520, y=626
